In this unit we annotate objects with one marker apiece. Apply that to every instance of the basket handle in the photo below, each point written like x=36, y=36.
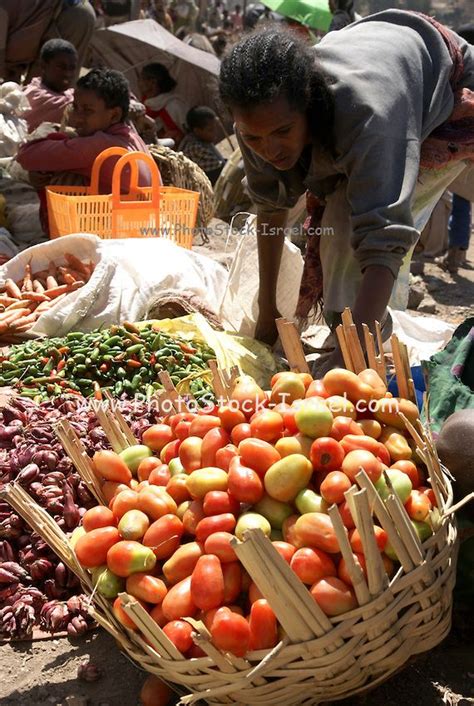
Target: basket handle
x=99, y=161
x=132, y=158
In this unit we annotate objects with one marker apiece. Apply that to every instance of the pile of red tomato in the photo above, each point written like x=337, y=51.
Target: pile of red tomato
x=275, y=460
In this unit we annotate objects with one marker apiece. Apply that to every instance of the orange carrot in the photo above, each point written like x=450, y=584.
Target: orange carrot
x=63, y=289
x=37, y=286
x=12, y=289
x=6, y=301
x=23, y=322
x=27, y=281
x=51, y=280
x=34, y=297
x=44, y=306
x=76, y=264
x=18, y=304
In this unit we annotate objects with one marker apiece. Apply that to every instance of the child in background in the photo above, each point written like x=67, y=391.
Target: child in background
x=99, y=115
x=51, y=93
x=199, y=145
x=162, y=101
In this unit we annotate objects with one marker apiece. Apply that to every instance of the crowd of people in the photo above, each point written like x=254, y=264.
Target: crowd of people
x=288, y=99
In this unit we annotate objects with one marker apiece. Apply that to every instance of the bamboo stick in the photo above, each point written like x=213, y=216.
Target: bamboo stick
x=402, y=380
x=115, y=410
x=217, y=382
x=118, y=440
x=357, y=353
x=370, y=348
x=355, y=571
x=292, y=346
x=178, y=402
x=343, y=345
x=382, y=371
x=76, y=451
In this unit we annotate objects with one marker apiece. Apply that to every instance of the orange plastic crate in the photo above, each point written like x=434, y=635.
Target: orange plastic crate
x=145, y=212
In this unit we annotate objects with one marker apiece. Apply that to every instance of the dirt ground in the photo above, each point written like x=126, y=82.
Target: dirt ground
x=45, y=672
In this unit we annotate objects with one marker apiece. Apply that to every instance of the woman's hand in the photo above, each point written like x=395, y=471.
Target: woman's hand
x=266, y=330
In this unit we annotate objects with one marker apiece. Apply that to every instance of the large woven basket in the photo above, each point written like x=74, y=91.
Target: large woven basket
x=179, y=171
x=319, y=658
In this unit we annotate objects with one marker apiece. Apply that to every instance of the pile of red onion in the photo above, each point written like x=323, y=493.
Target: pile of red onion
x=36, y=589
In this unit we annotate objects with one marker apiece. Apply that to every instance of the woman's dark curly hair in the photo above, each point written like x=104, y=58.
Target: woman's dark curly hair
x=273, y=62
x=110, y=85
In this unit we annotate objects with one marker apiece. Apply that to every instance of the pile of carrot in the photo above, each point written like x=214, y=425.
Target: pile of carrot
x=23, y=302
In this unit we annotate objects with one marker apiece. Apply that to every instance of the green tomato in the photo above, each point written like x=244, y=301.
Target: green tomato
x=309, y=501
x=313, y=418
x=176, y=467
x=134, y=455
x=401, y=485
x=275, y=511
x=108, y=584
x=251, y=520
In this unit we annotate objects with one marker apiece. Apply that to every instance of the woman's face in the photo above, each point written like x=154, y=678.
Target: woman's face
x=275, y=131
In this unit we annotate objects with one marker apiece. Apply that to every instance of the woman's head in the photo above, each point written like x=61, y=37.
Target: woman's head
x=155, y=79
x=101, y=99
x=278, y=99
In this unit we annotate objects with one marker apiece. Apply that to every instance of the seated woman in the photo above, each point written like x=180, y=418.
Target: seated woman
x=50, y=93
x=99, y=117
x=198, y=143
x=162, y=102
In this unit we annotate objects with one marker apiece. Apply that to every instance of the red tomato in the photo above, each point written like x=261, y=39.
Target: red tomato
x=380, y=537
x=224, y=456
x=170, y=451
x=418, y=506
x=217, y=523
x=230, y=417
x=180, y=633
x=175, y=419
x=209, y=615
x=164, y=535
x=289, y=420
x=343, y=573
x=155, y=504
x=128, y=557
x=160, y=475
x=202, y=424
x=307, y=379
x=263, y=626
x=355, y=460
x=219, y=543
x=178, y=489
x=285, y=550
x=157, y=436
x=123, y=502
x=346, y=515
x=289, y=532
x=326, y=454
x=411, y=470
x=98, y=516
x=230, y=632
x=155, y=692
x=146, y=466
x=217, y=502
x=181, y=564
x=193, y=516
x=244, y=483
x=147, y=588
x=232, y=573
x=258, y=455
x=334, y=486
x=314, y=529
x=214, y=440
x=353, y=442
x=254, y=593
x=267, y=425
x=110, y=489
x=317, y=389
x=310, y=565
x=183, y=429
x=158, y=616
x=342, y=426
x=333, y=596
x=240, y=432
x=190, y=453
x=178, y=601
x=207, y=583
x=91, y=549
x=110, y=466
x=430, y=493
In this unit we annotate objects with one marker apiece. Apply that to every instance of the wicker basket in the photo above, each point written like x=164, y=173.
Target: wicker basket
x=319, y=658
x=179, y=171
